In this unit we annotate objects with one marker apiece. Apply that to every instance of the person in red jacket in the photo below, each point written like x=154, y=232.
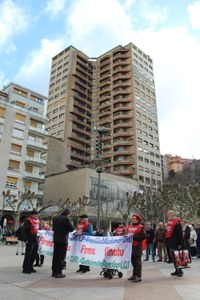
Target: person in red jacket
x=84, y=228
x=120, y=230
x=40, y=257
x=29, y=236
x=137, y=231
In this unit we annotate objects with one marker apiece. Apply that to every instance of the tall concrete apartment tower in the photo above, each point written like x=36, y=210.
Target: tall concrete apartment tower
x=115, y=91
x=22, y=132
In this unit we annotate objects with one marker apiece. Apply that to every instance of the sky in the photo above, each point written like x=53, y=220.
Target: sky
x=33, y=31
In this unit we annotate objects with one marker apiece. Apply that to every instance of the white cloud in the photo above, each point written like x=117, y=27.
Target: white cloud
x=153, y=14
x=194, y=14
x=13, y=21
x=93, y=32
x=36, y=69
x=54, y=7
x=176, y=64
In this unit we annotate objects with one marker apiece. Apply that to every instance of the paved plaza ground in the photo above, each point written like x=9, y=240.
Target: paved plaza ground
x=156, y=284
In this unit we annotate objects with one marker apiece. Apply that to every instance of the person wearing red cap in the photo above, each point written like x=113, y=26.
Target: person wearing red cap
x=137, y=231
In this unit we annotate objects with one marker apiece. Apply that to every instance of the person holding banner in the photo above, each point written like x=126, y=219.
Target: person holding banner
x=137, y=231
x=61, y=228
x=29, y=232
x=84, y=228
x=120, y=230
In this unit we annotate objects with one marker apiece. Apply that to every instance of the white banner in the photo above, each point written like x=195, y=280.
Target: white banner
x=102, y=252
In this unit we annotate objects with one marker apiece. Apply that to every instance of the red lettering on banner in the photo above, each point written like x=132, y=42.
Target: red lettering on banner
x=86, y=250
x=113, y=252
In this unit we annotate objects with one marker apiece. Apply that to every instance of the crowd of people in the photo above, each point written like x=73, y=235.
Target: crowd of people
x=158, y=243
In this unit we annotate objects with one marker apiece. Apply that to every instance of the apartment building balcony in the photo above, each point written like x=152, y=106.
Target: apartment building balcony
x=125, y=172
x=104, y=63
x=80, y=147
x=104, y=98
x=105, y=104
x=82, y=105
x=123, y=162
x=105, y=74
x=106, y=68
x=83, y=123
x=86, y=115
x=81, y=130
x=120, y=55
x=120, y=99
x=36, y=145
x=121, y=62
x=33, y=176
x=35, y=161
x=121, y=152
x=81, y=74
x=121, y=91
x=103, y=81
x=122, y=125
x=123, y=134
x=105, y=90
x=121, y=83
x=122, y=76
x=105, y=122
x=121, y=69
x=121, y=51
x=105, y=113
x=80, y=157
x=38, y=130
x=107, y=155
x=81, y=69
x=78, y=89
x=122, y=107
x=80, y=138
x=123, y=116
x=107, y=147
x=120, y=142
x=107, y=138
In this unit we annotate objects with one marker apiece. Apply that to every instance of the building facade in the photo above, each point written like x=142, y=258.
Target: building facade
x=83, y=183
x=115, y=91
x=22, y=132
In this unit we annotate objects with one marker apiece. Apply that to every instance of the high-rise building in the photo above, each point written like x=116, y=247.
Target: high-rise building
x=22, y=131
x=116, y=92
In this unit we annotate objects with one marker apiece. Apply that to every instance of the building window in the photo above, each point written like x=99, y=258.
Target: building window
x=16, y=148
x=13, y=165
x=11, y=182
x=2, y=111
x=18, y=133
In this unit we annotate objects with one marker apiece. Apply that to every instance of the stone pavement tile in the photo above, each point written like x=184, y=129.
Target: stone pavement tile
x=8, y=292
x=96, y=288
x=153, y=286
x=191, y=292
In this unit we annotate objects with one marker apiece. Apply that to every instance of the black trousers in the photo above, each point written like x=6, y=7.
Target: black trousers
x=59, y=254
x=137, y=265
x=30, y=255
x=39, y=259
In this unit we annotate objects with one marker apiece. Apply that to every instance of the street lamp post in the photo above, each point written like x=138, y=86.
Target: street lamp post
x=99, y=169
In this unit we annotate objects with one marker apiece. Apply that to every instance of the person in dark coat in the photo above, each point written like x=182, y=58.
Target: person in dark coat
x=29, y=232
x=150, y=235
x=137, y=231
x=62, y=225
x=174, y=238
